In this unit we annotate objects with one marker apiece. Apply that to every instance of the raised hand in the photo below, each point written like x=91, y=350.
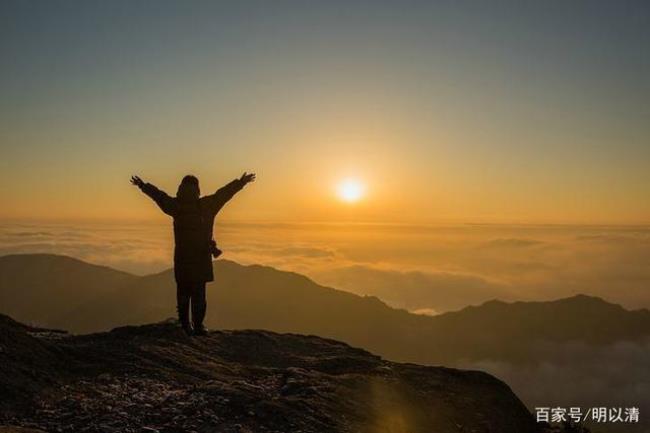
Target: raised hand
x=135, y=180
x=247, y=177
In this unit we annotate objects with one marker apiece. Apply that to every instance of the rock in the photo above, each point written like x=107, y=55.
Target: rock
x=15, y=429
x=153, y=378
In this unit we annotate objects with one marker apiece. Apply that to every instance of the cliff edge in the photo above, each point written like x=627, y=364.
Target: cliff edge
x=155, y=378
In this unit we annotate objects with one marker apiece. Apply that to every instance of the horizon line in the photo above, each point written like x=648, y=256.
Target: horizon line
x=333, y=223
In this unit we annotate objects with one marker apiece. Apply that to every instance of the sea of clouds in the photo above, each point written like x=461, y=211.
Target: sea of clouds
x=428, y=269
x=576, y=374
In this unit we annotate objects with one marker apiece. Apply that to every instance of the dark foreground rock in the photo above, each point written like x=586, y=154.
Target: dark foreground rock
x=154, y=378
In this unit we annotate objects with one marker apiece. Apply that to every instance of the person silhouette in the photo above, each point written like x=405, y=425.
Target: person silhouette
x=193, y=218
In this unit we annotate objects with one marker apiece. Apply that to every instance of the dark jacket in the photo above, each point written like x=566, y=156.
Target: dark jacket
x=193, y=224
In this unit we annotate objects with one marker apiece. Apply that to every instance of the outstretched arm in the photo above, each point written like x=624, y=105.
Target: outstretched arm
x=162, y=199
x=225, y=193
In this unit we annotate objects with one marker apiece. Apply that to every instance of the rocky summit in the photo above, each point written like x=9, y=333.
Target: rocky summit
x=155, y=378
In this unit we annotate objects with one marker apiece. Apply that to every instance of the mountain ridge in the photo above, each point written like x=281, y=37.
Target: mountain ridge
x=257, y=296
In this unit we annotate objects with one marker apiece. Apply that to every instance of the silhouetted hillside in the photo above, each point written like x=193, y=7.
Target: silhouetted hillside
x=264, y=298
x=155, y=378
x=45, y=287
x=514, y=331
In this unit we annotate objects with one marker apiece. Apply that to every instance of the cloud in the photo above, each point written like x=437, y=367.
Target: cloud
x=139, y=250
x=28, y=234
x=426, y=312
x=306, y=252
x=413, y=267
x=512, y=243
x=415, y=290
x=580, y=375
x=611, y=238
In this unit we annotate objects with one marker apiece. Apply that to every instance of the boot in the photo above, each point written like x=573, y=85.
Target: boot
x=183, y=308
x=200, y=330
x=187, y=328
x=198, y=311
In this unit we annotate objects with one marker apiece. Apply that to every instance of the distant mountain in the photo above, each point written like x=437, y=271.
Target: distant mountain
x=43, y=288
x=514, y=331
x=258, y=297
x=155, y=378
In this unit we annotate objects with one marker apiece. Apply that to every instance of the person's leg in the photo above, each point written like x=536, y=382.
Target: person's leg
x=199, y=307
x=183, y=292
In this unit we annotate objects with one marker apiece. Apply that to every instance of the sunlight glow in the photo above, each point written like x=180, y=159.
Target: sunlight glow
x=351, y=190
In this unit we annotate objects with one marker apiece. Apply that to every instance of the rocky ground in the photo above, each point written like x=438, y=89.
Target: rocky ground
x=154, y=378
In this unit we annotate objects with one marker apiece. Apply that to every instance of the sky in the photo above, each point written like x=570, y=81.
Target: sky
x=447, y=111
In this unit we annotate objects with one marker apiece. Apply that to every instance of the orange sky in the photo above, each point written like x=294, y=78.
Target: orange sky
x=445, y=113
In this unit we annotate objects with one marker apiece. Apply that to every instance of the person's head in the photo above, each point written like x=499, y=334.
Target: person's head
x=189, y=188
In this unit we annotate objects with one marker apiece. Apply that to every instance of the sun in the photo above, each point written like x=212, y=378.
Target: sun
x=351, y=190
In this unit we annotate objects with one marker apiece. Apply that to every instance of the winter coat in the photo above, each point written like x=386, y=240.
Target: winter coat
x=193, y=225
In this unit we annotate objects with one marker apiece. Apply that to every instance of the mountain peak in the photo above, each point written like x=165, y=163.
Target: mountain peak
x=576, y=301
x=231, y=381
x=48, y=258
x=582, y=298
